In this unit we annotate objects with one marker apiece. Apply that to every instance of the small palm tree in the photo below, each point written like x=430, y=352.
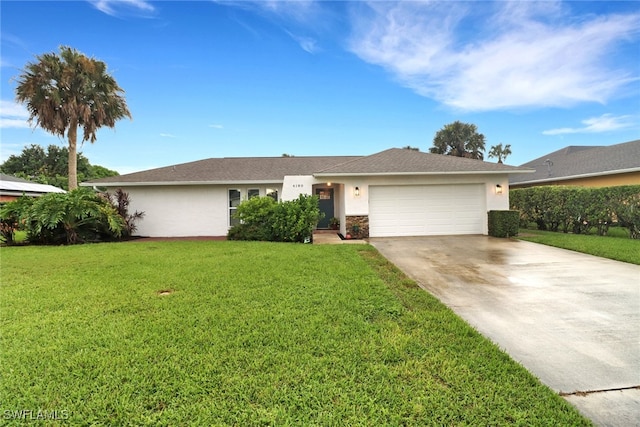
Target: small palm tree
x=497, y=151
x=69, y=90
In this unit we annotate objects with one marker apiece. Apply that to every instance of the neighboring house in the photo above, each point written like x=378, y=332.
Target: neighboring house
x=397, y=192
x=584, y=166
x=12, y=187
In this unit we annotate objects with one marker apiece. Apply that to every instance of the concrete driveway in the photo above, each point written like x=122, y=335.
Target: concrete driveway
x=573, y=320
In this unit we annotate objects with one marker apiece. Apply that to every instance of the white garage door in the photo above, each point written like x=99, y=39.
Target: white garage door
x=426, y=210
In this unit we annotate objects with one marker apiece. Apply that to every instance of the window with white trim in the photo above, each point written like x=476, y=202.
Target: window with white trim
x=253, y=192
x=234, y=201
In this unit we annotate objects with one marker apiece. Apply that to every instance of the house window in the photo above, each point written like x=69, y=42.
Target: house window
x=273, y=193
x=234, y=201
x=253, y=192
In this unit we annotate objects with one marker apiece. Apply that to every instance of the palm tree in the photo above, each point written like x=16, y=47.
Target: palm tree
x=69, y=90
x=459, y=139
x=499, y=152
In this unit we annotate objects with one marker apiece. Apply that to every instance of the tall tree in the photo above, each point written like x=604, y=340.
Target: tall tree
x=459, y=139
x=51, y=166
x=499, y=152
x=67, y=91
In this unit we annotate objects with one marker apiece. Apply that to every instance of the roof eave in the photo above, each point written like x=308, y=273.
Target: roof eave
x=22, y=193
x=176, y=183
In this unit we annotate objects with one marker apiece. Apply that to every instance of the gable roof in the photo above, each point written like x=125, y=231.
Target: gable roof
x=400, y=161
x=14, y=186
x=395, y=161
x=226, y=170
x=582, y=161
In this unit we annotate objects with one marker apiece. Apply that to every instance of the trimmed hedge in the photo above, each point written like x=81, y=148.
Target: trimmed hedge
x=578, y=209
x=503, y=223
x=262, y=218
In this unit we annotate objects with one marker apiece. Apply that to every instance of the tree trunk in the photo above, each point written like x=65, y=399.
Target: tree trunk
x=73, y=156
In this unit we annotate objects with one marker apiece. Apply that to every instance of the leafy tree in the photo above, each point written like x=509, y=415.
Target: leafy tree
x=97, y=171
x=51, y=166
x=67, y=91
x=499, y=152
x=459, y=139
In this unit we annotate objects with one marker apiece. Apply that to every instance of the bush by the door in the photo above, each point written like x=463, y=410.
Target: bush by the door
x=262, y=218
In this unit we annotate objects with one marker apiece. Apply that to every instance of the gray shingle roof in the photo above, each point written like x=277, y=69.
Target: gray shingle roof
x=229, y=169
x=274, y=169
x=400, y=161
x=576, y=161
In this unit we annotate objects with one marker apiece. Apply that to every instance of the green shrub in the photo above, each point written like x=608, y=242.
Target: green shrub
x=120, y=202
x=503, y=223
x=295, y=220
x=65, y=218
x=577, y=209
x=628, y=210
x=256, y=220
x=262, y=218
x=12, y=215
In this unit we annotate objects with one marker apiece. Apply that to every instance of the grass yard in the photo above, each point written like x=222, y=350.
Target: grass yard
x=248, y=333
x=617, y=245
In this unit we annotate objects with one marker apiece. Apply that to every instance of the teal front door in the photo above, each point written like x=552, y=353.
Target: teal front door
x=325, y=196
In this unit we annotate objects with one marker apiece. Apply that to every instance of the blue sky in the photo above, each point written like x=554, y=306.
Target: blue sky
x=243, y=78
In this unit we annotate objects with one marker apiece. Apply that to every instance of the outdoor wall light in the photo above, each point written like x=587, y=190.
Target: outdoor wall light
x=329, y=184
x=356, y=192
x=498, y=189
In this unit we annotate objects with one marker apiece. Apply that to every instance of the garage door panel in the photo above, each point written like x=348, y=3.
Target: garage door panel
x=426, y=210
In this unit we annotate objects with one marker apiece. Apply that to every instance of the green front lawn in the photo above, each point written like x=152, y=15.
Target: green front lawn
x=246, y=333
x=617, y=245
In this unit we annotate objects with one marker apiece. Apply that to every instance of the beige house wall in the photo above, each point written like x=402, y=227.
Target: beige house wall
x=631, y=178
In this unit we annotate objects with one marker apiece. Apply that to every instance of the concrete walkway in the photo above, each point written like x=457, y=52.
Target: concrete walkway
x=330, y=237
x=573, y=320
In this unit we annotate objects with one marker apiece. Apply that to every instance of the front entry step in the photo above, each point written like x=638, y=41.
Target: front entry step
x=331, y=237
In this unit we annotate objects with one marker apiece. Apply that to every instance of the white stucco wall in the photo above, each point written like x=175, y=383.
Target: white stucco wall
x=178, y=211
x=295, y=185
x=497, y=202
x=182, y=211
x=203, y=210
x=359, y=205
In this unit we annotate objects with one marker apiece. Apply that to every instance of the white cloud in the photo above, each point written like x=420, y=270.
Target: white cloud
x=305, y=15
x=604, y=123
x=13, y=123
x=496, y=55
x=13, y=115
x=307, y=44
x=167, y=135
x=216, y=126
x=301, y=11
x=109, y=6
